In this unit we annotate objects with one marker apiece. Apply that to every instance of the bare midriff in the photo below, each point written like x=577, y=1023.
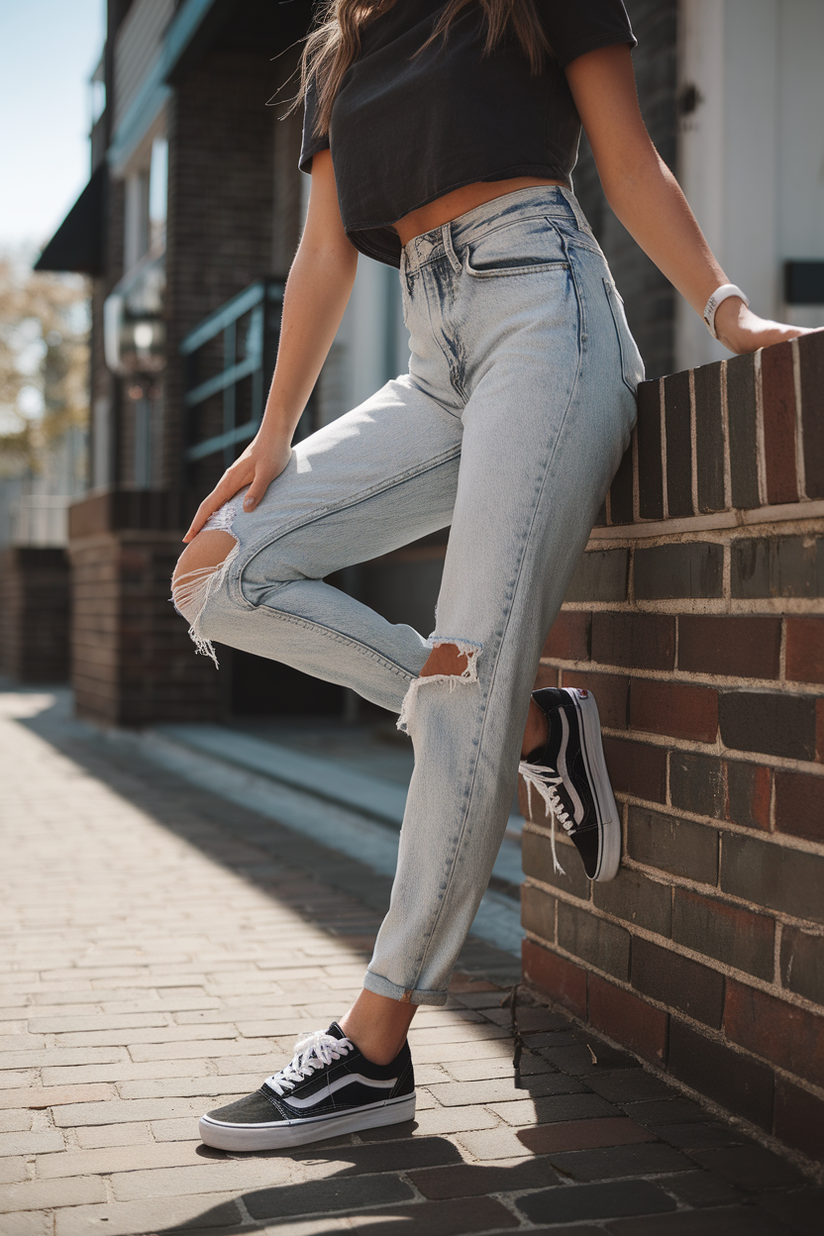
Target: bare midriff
x=459, y=201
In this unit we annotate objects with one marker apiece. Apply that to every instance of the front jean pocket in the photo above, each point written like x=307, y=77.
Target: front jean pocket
x=632, y=367
x=523, y=248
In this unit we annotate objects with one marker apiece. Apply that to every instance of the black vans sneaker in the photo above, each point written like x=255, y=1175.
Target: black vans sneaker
x=571, y=776
x=328, y=1089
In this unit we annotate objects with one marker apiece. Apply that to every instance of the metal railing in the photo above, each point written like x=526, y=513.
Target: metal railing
x=249, y=350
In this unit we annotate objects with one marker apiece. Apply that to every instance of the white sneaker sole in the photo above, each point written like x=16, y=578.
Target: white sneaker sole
x=281, y=1134
x=609, y=858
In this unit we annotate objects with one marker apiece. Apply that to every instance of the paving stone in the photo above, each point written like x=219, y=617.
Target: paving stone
x=479, y=1070
x=502, y=1090
x=215, y=1174
x=49, y=1194
x=697, y=1135
x=644, y=1160
x=595, y=1201
x=506, y=1143
x=436, y=1122
x=39, y=1097
x=664, y=1111
x=12, y=1170
x=750, y=1167
x=544, y=1110
x=326, y=1195
x=32, y=1223
x=468, y=1180
x=800, y=1209
x=628, y=1087
x=700, y=1189
x=729, y=1221
x=31, y=1143
x=93, y=1137
x=148, y=1215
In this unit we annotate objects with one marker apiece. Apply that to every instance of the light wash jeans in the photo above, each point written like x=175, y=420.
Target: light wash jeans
x=509, y=425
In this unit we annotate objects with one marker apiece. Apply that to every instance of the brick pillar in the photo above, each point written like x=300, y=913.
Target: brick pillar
x=697, y=620
x=132, y=660
x=34, y=614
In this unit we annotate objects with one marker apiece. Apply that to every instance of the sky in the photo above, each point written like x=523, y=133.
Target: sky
x=48, y=51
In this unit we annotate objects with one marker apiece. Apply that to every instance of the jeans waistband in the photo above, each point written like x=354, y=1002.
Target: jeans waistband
x=553, y=201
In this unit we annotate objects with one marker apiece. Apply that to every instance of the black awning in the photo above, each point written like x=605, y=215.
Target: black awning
x=78, y=242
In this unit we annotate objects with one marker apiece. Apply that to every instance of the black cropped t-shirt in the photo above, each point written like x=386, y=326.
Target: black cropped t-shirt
x=406, y=128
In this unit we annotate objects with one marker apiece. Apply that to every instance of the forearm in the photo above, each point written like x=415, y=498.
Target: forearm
x=648, y=201
x=317, y=291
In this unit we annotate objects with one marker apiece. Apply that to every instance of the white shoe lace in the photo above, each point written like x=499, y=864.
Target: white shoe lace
x=547, y=786
x=314, y=1052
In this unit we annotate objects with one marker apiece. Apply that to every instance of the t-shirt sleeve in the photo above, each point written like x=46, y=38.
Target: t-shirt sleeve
x=312, y=143
x=574, y=29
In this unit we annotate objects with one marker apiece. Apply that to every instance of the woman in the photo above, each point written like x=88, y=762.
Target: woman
x=453, y=130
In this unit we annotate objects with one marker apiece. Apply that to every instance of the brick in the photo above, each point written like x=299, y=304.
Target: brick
x=774, y=723
x=736, y=1081
x=538, y=912
x=680, y=847
x=49, y=1194
x=611, y=693
x=114, y=1111
x=500, y=1089
x=547, y=676
x=32, y=1223
x=805, y=649
x=601, y=575
x=595, y=1201
x=677, y=418
x=637, y=641
x=469, y=1180
x=650, y=466
x=790, y=1037
x=799, y=804
x=597, y=941
x=697, y=783
x=536, y=853
x=560, y=979
x=674, y=708
x=635, y=898
x=697, y=1135
x=636, y=768
x=729, y=644
x=690, y=569
x=749, y=790
x=620, y=494
x=709, y=435
x=778, y=402
x=801, y=1208
x=799, y=1118
x=134, y=1156
x=750, y=1167
x=811, y=361
x=633, y=1022
x=773, y=876
x=678, y=982
x=786, y=566
x=644, y=1160
x=651, y=1112
x=743, y=447
x=802, y=962
x=13, y=1170
x=328, y=1195
x=569, y=637
x=727, y=932
x=443, y=1218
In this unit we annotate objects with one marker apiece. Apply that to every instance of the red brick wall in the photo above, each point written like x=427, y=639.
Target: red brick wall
x=696, y=618
x=34, y=614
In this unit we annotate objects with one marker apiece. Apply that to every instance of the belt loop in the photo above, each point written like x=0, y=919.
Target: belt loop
x=449, y=249
x=575, y=207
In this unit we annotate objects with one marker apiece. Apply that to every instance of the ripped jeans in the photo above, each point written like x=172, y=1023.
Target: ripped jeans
x=509, y=425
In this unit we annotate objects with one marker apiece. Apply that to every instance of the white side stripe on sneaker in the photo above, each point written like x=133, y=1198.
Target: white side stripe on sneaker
x=338, y=1084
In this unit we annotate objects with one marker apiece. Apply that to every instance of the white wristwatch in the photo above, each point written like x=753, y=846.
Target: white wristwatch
x=718, y=297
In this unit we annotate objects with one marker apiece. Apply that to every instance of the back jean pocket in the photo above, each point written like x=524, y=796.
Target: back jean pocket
x=632, y=367
x=525, y=247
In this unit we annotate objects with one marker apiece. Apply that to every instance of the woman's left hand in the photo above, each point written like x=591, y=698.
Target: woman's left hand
x=741, y=330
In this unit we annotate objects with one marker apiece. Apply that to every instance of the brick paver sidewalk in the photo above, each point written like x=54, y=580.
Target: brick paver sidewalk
x=162, y=952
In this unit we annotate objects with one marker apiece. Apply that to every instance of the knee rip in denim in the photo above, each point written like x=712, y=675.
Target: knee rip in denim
x=191, y=590
x=469, y=674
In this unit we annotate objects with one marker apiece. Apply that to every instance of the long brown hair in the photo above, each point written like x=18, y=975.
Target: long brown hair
x=336, y=40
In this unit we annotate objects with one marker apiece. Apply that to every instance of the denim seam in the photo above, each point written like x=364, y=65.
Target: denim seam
x=338, y=636
x=256, y=547
x=517, y=578
x=438, y=335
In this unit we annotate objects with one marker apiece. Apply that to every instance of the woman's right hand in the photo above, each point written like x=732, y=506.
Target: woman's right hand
x=257, y=467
